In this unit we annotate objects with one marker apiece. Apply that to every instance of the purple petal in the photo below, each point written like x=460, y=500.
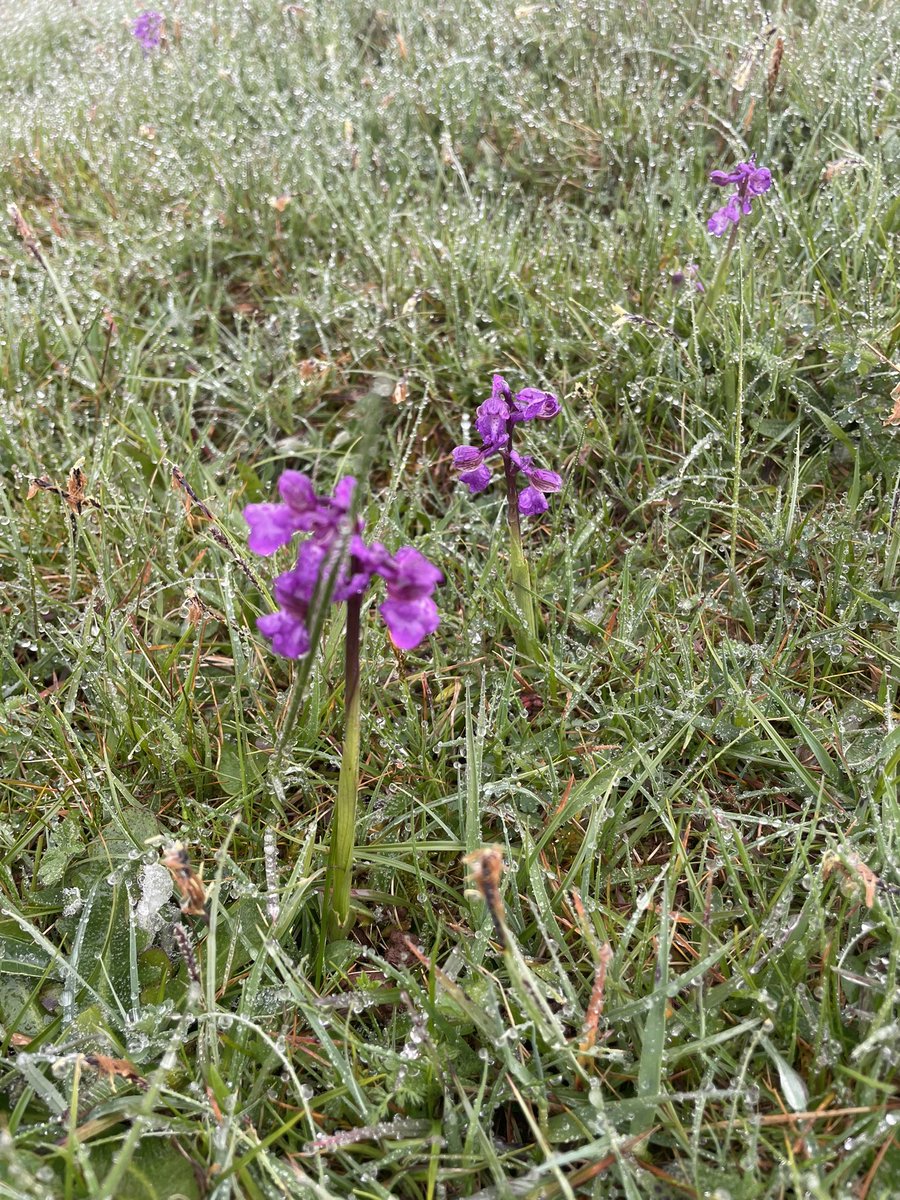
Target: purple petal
x=500, y=389
x=760, y=181
x=356, y=574
x=491, y=419
x=343, y=494
x=532, y=503
x=720, y=220
x=723, y=178
x=545, y=481
x=476, y=480
x=295, y=589
x=296, y=489
x=467, y=456
x=271, y=526
x=147, y=29
x=410, y=575
x=532, y=404
x=409, y=621
x=370, y=558
x=288, y=634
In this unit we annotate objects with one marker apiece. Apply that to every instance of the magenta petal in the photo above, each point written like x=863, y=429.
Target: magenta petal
x=409, y=621
x=297, y=490
x=297, y=587
x=532, y=502
x=288, y=634
x=343, y=494
x=490, y=421
x=500, y=389
x=718, y=222
x=534, y=404
x=760, y=181
x=723, y=178
x=467, y=456
x=369, y=558
x=409, y=575
x=476, y=480
x=271, y=526
x=545, y=481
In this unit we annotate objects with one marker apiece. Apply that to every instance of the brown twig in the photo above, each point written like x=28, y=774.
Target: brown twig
x=191, y=502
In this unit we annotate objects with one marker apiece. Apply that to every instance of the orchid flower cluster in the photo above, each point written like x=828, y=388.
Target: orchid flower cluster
x=335, y=550
x=751, y=182
x=496, y=420
x=147, y=28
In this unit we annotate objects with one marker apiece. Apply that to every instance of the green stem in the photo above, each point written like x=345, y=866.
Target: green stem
x=712, y=292
x=738, y=450
x=336, y=912
x=521, y=576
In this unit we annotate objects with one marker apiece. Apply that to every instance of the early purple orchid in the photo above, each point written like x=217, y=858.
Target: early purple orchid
x=335, y=551
x=147, y=28
x=495, y=420
x=688, y=274
x=751, y=182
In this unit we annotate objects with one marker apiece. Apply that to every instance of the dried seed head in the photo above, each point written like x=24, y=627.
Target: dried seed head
x=486, y=867
x=188, y=882
x=774, y=66
x=751, y=58
x=26, y=233
x=193, y=608
x=595, y=1004
x=840, y=166
x=857, y=876
x=75, y=493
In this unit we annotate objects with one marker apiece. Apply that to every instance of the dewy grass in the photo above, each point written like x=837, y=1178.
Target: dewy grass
x=285, y=210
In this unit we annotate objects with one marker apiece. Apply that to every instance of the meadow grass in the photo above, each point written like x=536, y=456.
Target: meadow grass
x=288, y=215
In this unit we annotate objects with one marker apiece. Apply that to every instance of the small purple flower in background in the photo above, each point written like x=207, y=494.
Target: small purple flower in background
x=335, y=551
x=685, y=275
x=147, y=29
x=751, y=181
x=495, y=420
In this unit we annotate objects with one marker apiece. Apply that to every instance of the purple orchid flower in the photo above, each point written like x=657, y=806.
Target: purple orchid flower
x=688, y=274
x=751, y=181
x=409, y=612
x=495, y=420
x=302, y=511
x=147, y=29
x=335, y=551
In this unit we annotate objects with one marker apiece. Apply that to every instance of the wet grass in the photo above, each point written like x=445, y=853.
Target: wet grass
x=246, y=238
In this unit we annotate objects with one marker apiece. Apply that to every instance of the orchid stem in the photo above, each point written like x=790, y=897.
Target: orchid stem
x=712, y=292
x=521, y=576
x=336, y=914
